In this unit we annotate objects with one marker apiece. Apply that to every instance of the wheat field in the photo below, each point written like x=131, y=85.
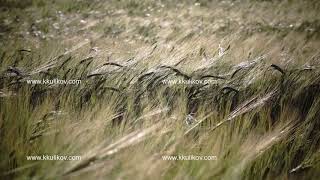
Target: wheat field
x=128, y=84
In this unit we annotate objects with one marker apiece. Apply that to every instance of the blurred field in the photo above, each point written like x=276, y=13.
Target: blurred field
x=259, y=115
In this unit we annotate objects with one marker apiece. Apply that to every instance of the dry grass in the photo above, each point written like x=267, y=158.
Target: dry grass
x=259, y=114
